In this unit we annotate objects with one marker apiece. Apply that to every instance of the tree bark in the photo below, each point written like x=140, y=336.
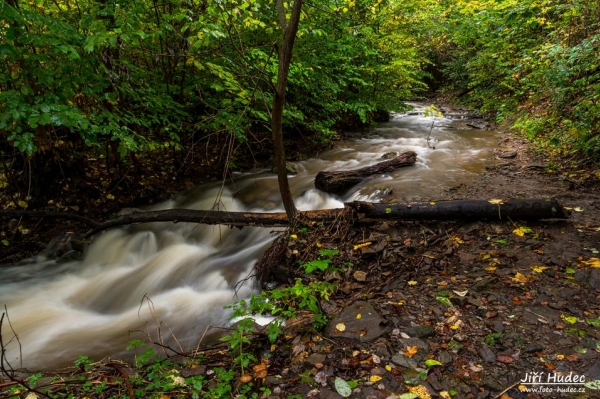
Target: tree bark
x=338, y=182
x=289, y=30
x=515, y=209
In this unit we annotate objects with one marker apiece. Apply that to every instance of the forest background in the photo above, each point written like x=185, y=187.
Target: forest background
x=121, y=96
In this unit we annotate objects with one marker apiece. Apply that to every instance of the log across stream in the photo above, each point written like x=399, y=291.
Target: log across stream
x=176, y=278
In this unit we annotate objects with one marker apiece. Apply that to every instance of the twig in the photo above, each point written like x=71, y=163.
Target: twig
x=506, y=390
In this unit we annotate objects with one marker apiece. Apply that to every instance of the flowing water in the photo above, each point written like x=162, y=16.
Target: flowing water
x=172, y=281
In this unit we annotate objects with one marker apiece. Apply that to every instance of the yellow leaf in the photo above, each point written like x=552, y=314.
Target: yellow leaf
x=521, y=231
x=455, y=326
x=490, y=269
x=420, y=391
x=411, y=351
x=458, y=240
x=358, y=316
x=319, y=245
x=496, y=202
x=22, y=204
x=521, y=278
x=293, y=236
x=388, y=367
x=110, y=196
x=358, y=246
x=432, y=203
x=23, y=230
x=445, y=395
x=593, y=262
x=538, y=269
x=375, y=378
x=578, y=209
x=560, y=357
x=340, y=327
x=412, y=282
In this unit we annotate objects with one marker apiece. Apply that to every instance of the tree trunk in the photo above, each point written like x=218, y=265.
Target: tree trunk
x=338, y=182
x=515, y=209
x=289, y=30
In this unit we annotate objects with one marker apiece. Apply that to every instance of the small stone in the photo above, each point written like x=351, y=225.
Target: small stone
x=390, y=155
x=421, y=331
x=532, y=348
x=361, y=321
x=508, y=154
x=403, y=361
x=446, y=357
x=487, y=354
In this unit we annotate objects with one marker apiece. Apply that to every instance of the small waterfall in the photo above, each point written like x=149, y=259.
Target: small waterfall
x=172, y=281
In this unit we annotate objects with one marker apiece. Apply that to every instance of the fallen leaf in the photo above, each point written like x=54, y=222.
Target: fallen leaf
x=506, y=359
x=358, y=316
x=431, y=203
x=22, y=204
x=342, y=387
x=569, y=319
x=420, y=391
x=360, y=276
x=432, y=362
x=388, y=367
x=411, y=351
x=375, y=378
x=412, y=282
x=496, y=202
x=340, y=327
x=293, y=236
x=578, y=209
x=358, y=246
x=521, y=231
x=593, y=262
x=110, y=196
x=521, y=278
x=538, y=269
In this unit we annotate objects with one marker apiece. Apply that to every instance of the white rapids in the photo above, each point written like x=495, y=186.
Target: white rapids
x=171, y=282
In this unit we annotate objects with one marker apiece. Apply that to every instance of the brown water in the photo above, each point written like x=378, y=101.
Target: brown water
x=171, y=281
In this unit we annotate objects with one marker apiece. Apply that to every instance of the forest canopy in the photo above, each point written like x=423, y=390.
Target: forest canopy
x=122, y=80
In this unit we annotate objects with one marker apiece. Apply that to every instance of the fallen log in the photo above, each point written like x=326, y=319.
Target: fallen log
x=338, y=182
x=516, y=209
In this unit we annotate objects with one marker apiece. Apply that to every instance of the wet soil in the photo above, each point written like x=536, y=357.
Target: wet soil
x=458, y=309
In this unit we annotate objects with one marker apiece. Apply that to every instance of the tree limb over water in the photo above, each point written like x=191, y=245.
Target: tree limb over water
x=515, y=209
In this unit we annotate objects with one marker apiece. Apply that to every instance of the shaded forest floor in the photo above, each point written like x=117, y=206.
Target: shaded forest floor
x=461, y=309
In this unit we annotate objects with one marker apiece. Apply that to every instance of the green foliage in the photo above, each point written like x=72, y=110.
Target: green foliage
x=320, y=264
x=238, y=339
x=529, y=60
x=286, y=302
x=145, y=76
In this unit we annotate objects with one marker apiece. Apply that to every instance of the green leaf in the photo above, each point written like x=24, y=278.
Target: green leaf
x=432, y=362
x=388, y=210
x=444, y=300
x=594, y=322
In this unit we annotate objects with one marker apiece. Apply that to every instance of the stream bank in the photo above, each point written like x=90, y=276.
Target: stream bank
x=504, y=326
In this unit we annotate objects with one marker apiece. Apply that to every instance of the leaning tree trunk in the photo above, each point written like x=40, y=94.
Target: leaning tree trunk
x=289, y=31
x=338, y=182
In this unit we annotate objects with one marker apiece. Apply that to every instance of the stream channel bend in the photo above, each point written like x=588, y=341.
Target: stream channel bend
x=177, y=278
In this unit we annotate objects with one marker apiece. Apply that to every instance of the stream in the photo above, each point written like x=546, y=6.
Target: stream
x=171, y=281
